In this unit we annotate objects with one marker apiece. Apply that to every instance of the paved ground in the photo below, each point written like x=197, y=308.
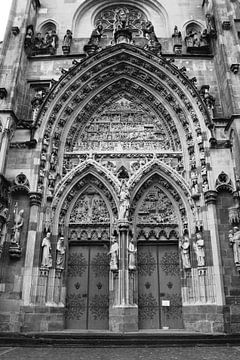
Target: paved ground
x=193, y=353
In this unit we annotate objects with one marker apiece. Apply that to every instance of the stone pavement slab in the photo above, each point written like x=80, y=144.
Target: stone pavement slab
x=174, y=353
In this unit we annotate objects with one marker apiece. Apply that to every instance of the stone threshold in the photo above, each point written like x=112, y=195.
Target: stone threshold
x=69, y=338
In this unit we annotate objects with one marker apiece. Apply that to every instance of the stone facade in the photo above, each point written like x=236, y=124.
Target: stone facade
x=119, y=166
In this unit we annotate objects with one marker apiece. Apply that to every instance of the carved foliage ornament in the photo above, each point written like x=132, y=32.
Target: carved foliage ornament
x=108, y=16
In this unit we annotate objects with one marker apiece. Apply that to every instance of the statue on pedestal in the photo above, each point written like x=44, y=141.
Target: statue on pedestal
x=199, y=249
x=132, y=251
x=113, y=252
x=184, y=246
x=61, y=250
x=46, y=255
x=124, y=201
x=18, y=224
x=234, y=238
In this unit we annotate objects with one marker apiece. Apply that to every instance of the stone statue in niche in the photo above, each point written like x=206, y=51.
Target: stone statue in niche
x=61, y=250
x=28, y=41
x=96, y=35
x=184, y=245
x=124, y=201
x=132, y=251
x=198, y=246
x=113, y=252
x=18, y=224
x=46, y=254
x=149, y=34
x=67, y=42
x=234, y=238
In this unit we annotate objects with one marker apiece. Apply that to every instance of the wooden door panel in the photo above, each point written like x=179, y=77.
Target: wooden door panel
x=158, y=282
x=98, y=307
x=87, y=297
x=148, y=302
x=76, y=304
x=170, y=286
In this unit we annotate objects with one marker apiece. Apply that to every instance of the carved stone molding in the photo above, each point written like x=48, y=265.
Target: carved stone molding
x=210, y=196
x=35, y=198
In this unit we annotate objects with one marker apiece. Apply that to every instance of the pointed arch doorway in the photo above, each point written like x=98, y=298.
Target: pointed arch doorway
x=159, y=282
x=87, y=303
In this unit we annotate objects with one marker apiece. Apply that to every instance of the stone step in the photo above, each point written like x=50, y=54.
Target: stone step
x=107, y=339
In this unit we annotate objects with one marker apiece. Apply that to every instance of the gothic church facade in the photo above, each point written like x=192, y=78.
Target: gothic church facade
x=119, y=166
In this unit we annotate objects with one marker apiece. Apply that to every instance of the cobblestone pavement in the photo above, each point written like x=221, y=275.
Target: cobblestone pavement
x=185, y=353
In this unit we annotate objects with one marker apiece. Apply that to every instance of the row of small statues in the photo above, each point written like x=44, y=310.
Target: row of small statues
x=47, y=255
x=49, y=41
x=114, y=254
x=198, y=247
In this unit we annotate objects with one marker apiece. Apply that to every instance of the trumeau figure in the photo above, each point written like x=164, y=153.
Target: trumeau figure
x=132, y=251
x=46, y=255
x=18, y=224
x=199, y=249
x=124, y=201
x=61, y=250
x=234, y=238
x=113, y=252
x=184, y=246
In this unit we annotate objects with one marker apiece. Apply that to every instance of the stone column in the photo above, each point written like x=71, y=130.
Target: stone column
x=123, y=316
x=210, y=199
x=28, y=275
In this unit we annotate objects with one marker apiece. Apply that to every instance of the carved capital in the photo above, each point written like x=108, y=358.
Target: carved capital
x=35, y=198
x=210, y=196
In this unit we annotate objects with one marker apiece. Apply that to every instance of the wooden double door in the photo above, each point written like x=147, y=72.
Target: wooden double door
x=87, y=303
x=159, y=286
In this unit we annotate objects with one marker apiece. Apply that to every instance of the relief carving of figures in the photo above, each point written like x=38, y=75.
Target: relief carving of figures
x=234, y=238
x=199, y=248
x=114, y=252
x=184, y=245
x=61, y=250
x=124, y=197
x=132, y=252
x=18, y=224
x=46, y=254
